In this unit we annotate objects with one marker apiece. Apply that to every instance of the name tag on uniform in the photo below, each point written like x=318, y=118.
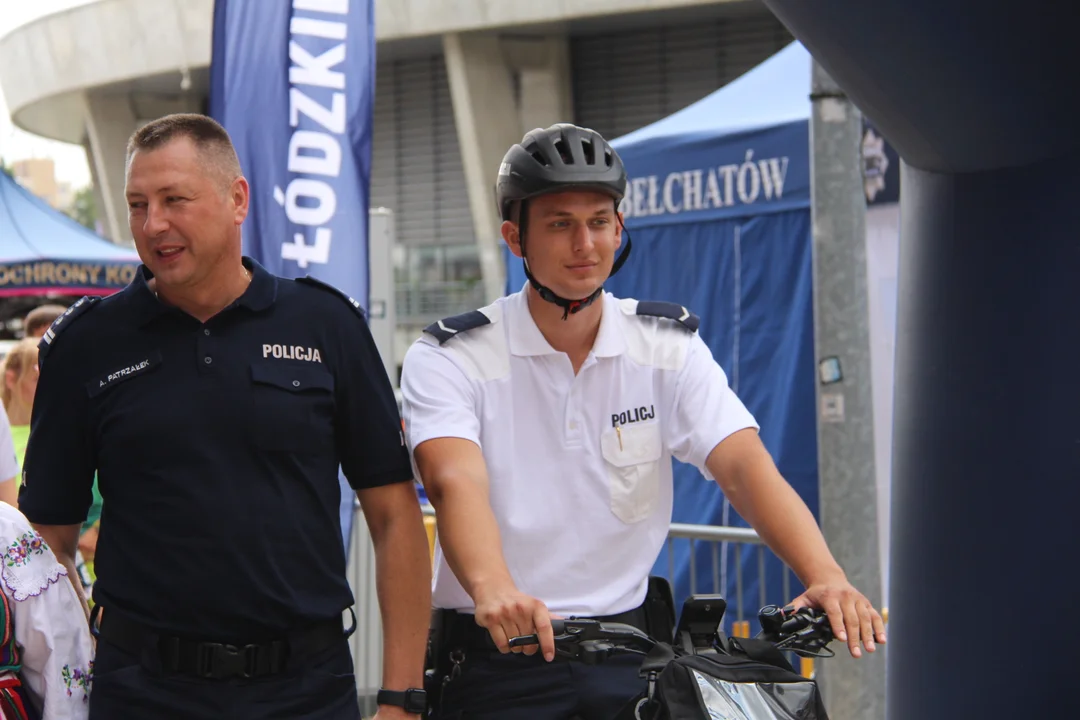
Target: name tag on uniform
x=135, y=368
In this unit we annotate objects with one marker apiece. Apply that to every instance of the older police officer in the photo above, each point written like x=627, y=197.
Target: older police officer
x=216, y=402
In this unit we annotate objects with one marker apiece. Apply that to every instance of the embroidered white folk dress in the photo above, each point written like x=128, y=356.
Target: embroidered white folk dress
x=50, y=630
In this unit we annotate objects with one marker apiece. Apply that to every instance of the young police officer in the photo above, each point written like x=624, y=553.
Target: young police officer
x=216, y=402
x=553, y=501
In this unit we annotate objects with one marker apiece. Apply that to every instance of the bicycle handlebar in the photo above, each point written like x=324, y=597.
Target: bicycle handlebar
x=591, y=641
x=806, y=632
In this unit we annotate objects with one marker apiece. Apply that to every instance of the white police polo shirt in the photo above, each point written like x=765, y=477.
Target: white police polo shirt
x=579, y=466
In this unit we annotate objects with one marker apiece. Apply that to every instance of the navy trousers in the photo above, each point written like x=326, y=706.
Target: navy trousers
x=127, y=687
x=492, y=685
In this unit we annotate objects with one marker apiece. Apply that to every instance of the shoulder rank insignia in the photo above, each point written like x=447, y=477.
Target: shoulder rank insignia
x=81, y=306
x=317, y=283
x=671, y=311
x=447, y=328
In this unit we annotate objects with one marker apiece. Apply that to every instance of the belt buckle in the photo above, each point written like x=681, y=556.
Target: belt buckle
x=219, y=661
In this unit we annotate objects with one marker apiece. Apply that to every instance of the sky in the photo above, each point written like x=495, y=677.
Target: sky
x=16, y=144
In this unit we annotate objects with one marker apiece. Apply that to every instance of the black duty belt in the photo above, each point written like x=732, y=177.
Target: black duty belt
x=460, y=629
x=218, y=660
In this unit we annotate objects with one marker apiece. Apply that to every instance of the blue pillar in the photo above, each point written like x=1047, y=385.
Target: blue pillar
x=986, y=464
x=979, y=99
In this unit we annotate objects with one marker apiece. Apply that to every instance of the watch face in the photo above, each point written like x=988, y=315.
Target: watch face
x=415, y=701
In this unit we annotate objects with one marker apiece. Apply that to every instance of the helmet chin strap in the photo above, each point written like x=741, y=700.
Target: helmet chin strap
x=569, y=307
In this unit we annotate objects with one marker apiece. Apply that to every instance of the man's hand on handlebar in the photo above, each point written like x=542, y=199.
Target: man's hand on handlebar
x=506, y=612
x=854, y=620
x=590, y=641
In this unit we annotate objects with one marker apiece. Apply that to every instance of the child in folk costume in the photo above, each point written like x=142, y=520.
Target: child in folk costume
x=46, y=652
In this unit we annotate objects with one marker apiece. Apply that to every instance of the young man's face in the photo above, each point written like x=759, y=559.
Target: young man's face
x=571, y=239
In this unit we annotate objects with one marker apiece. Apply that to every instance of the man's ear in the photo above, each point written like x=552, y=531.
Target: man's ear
x=512, y=237
x=240, y=194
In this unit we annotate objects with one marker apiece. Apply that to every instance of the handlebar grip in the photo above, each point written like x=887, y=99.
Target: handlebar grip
x=558, y=627
x=524, y=640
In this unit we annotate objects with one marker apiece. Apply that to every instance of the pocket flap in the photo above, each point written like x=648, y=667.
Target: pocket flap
x=634, y=444
x=294, y=378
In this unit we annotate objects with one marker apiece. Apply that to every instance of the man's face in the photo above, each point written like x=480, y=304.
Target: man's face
x=571, y=239
x=183, y=212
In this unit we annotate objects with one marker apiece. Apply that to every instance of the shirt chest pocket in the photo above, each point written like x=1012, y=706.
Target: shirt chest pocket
x=293, y=407
x=632, y=459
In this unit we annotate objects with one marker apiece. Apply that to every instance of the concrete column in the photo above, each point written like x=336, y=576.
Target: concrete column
x=501, y=88
x=544, y=81
x=99, y=199
x=109, y=123
x=853, y=689
x=486, y=116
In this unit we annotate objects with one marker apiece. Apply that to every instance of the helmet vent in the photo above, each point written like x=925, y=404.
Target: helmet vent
x=539, y=157
x=590, y=151
x=564, y=151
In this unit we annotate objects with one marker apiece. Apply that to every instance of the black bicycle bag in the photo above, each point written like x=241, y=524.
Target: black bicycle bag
x=754, y=682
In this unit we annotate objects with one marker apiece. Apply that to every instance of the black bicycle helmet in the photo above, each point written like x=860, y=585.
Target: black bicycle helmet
x=559, y=158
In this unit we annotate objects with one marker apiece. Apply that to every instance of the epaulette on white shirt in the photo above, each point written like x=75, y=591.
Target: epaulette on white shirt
x=443, y=330
x=660, y=334
x=479, y=341
x=671, y=311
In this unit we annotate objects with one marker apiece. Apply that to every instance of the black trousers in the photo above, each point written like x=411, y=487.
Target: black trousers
x=127, y=687
x=492, y=685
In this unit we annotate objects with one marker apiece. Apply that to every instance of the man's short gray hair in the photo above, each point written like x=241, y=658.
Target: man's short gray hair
x=209, y=137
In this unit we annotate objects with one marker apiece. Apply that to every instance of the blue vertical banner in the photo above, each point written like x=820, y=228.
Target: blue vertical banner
x=293, y=82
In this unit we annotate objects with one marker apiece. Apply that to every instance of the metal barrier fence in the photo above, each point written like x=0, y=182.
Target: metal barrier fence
x=716, y=537
x=367, y=640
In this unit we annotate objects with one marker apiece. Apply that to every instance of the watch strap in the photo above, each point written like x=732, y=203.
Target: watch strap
x=413, y=700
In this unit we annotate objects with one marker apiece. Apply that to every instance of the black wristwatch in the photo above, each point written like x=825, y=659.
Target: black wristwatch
x=412, y=700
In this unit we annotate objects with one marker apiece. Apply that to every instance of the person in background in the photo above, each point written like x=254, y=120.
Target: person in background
x=17, y=394
x=9, y=465
x=39, y=319
x=20, y=370
x=20, y=383
x=46, y=653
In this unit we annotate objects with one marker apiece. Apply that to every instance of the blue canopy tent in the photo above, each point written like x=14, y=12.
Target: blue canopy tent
x=718, y=207
x=42, y=251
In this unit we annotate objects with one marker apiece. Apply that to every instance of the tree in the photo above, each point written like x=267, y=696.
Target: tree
x=6, y=169
x=83, y=208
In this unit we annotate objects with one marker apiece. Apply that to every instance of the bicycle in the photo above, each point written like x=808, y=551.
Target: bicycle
x=703, y=673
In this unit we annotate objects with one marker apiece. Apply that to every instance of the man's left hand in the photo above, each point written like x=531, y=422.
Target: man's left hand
x=854, y=620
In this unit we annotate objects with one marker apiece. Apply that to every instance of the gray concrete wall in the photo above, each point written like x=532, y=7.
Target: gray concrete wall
x=46, y=65
x=92, y=74
x=396, y=19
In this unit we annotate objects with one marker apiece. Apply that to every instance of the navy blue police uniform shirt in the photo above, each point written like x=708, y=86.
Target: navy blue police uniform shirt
x=217, y=447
